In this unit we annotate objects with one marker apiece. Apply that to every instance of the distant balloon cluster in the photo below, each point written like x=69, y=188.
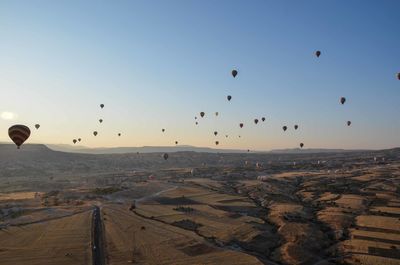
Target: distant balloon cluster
x=20, y=133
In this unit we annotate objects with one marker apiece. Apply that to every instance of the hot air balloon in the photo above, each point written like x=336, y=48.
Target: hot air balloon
x=255, y=121
x=197, y=123
x=202, y=114
x=165, y=156
x=37, y=126
x=74, y=141
x=163, y=130
x=296, y=127
x=234, y=73
x=240, y=136
x=19, y=134
x=195, y=117
x=176, y=142
x=119, y=134
x=101, y=105
x=216, y=143
x=342, y=100
x=101, y=120
x=248, y=150
x=263, y=119
x=241, y=125
x=229, y=97
x=301, y=145
x=398, y=76
x=95, y=133
x=226, y=136
x=284, y=128
x=318, y=53
x=348, y=123
x=79, y=139
x=215, y=133
x=216, y=113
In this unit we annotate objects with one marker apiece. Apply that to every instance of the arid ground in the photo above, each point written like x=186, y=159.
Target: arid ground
x=199, y=208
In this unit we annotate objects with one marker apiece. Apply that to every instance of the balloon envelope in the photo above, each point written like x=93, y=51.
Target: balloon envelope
x=101, y=105
x=19, y=134
x=342, y=100
x=318, y=53
x=202, y=114
x=234, y=73
x=37, y=126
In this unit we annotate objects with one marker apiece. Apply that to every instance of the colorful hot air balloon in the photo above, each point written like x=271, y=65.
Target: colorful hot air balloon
x=263, y=119
x=215, y=133
x=202, y=114
x=101, y=105
x=318, y=53
x=165, y=156
x=296, y=127
x=95, y=133
x=301, y=145
x=241, y=125
x=19, y=134
x=229, y=97
x=234, y=73
x=101, y=120
x=216, y=143
x=348, y=123
x=37, y=126
x=255, y=121
x=284, y=128
x=342, y=100
x=74, y=141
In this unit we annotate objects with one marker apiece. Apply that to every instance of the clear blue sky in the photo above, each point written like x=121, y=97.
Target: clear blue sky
x=157, y=64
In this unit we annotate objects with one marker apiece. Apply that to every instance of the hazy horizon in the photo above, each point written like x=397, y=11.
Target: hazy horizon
x=157, y=65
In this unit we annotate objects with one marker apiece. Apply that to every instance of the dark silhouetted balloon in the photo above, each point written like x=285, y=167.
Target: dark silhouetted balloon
x=119, y=134
x=348, y=123
x=398, y=76
x=163, y=130
x=197, y=123
x=255, y=121
x=165, y=156
x=229, y=97
x=202, y=114
x=216, y=143
x=79, y=139
x=301, y=145
x=195, y=118
x=176, y=142
x=215, y=133
x=19, y=134
x=248, y=150
x=263, y=119
x=95, y=133
x=284, y=128
x=342, y=100
x=234, y=73
x=37, y=126
x=101, y=105
x=296, y=127
x=74, y=141
x=318, y=53
x=216, y=113
x=101, y=120
x=226, y=136
x=241, y=125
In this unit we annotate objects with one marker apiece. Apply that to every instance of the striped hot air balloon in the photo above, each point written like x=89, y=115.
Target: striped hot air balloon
x=19, y=134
